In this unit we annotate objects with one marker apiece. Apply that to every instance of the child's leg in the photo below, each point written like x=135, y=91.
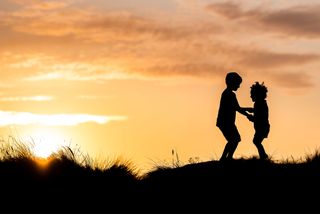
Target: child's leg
x=233, y=137
x=257, y=140
x=226, y=150
x=233, y=140
x=233, y=146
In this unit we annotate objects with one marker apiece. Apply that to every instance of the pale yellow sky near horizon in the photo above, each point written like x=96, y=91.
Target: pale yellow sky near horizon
x=137, y=79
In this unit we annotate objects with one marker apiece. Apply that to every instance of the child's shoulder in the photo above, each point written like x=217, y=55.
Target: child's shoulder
x=261, y=104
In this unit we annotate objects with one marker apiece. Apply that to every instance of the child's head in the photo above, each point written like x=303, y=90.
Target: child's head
x=258, y=91
x=233, y=80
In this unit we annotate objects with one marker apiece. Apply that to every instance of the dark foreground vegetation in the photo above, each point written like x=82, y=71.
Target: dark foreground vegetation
x=66, y=183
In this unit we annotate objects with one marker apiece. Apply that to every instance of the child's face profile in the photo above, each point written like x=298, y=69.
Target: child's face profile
x=233, y=81
x=235, y=86
x=256, y=97
x=253, y=97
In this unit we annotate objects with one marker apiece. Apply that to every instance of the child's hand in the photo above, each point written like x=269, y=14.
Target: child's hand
x=249, y=110
x=250, y=117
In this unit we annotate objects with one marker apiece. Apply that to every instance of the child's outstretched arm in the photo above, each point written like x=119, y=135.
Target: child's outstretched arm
x=248, y=109
x=250, y=117
x=244, y=111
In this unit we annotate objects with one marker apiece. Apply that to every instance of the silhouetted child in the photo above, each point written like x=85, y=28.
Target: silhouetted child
x=260, y=116
x=227, y=115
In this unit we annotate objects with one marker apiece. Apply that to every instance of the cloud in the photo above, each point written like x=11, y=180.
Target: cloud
x=265, y=59
x=302, y=21
x=38, y=98
x=57, y=19
x=94, y=97
x=297, y=21
x=106, y=45
x=195, y=69
x=26, y=118
x=293, y=79
x=190, y=61
x=75, y=75
x=228, y=10
x=24, y=2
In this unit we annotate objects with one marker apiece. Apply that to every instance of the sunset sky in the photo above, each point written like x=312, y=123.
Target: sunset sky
x=138, y=78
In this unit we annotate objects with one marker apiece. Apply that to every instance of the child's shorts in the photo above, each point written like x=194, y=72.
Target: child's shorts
x=261, y=132
x=231, y=133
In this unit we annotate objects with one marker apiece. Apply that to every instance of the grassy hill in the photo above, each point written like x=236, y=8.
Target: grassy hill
x=67, y=181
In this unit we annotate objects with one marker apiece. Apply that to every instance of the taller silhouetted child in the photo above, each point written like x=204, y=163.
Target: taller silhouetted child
x=227, y=115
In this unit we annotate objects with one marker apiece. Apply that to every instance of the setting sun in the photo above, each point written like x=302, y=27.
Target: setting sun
x=47, y=142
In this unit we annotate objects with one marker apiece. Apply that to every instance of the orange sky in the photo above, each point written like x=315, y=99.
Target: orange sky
x=136, y=79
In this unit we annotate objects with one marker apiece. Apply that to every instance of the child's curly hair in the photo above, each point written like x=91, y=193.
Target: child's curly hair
x=259, y=90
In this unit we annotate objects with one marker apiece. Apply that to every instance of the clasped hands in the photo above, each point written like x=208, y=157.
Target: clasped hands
x=248, y=111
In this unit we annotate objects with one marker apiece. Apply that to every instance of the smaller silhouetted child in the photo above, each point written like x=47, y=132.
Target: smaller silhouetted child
x=260, y=117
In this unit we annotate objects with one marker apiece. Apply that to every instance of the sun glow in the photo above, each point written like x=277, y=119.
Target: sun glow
x=47, y=142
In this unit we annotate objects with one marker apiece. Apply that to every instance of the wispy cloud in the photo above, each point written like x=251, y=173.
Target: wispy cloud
x=26, y=118
x=77, y=76
x=92, y=25
x=293, y=80
x=265, y=59
x=110, y=44
x=302, y=21
x=39, y=98
x=93, y=97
